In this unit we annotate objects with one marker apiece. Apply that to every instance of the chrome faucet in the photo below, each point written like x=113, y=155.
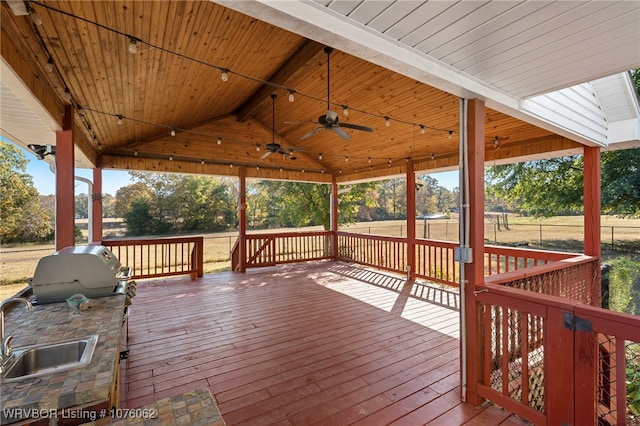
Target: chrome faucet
x=5, y=342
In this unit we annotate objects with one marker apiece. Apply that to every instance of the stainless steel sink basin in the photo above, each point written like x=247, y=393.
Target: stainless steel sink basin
x=38, y=360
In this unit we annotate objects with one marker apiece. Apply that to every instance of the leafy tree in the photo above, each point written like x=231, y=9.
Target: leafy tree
x=204, y=204
x=296, y=204
x=108, y=205
x=22, y=218
x=81, y=205
x=540, y=188
x=621, y=182
x=126, y=195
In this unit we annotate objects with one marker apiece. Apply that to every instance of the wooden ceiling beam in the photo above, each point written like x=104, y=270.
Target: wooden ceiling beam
x=285, y=76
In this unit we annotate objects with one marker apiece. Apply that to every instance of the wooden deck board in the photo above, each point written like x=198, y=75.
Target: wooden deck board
x=317, y=343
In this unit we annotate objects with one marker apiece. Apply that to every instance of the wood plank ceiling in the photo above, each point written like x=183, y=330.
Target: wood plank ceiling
x=130, y=104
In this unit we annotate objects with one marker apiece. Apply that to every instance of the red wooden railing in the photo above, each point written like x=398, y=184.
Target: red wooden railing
x=289, y=247
x=435, y=261
x=160, y=257
x=388, y=253
x=499, y=259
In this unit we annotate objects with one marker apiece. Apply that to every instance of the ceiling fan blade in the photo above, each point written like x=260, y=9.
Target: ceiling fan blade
x=311, y=133
x=344, y=135
x=356, y=127
x=265, y=155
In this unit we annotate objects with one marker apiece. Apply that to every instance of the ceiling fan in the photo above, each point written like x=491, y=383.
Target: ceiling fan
x=274, y=147
x=330, y=119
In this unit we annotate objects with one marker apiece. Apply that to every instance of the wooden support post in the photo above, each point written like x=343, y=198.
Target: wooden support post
x=65, y=170
x=242, y=217
x=411, y=222
x=474, y=271
x=96, y=200
x=333, y=217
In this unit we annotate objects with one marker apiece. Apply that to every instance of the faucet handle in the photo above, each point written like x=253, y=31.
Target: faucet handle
x=6, y=346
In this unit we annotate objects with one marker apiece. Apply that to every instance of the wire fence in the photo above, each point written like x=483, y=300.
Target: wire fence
x=18, y=264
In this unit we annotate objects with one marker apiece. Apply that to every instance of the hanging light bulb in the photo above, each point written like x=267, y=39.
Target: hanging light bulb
x=202, y=162
x=450, y=134
x=173, y=132
x=49, y=65
x=346, y=158
x=320, y=156
x=67, y=94
x=387, y=121
x=171, y=158
x=422, y=129
x=280, y=169
x=81, y=111
x=35, y=17
x=389, y=162
x=219, y=141
x=345, y=110
x=257, y=167
x=369, y=159
x=224, y=74
x=292, y=95
x=231, y=165
x=133, y=45
x=120, y=120
x=258, y=147
x=135, y=152
x=433, y=156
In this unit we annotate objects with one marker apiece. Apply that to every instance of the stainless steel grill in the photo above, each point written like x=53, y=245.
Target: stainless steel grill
x=91, y=270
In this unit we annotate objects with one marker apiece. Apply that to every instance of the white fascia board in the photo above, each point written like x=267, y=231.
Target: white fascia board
x=17, y=86
x=625, y=131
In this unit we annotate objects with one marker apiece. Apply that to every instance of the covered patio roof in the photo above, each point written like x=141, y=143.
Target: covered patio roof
x=531, y=62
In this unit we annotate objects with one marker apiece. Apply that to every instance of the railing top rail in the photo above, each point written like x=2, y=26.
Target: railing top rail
x=287, y=234
x=161, y=240
x=448, y=244
x=509, y=296
x=538, y=270
x=525, y=252
x=372, y=236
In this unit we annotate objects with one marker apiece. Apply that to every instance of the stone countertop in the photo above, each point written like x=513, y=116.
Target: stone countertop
x=50, y=323
x=194, y=408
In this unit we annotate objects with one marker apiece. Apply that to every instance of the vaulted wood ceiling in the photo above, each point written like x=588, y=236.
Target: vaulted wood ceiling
x=173, y=82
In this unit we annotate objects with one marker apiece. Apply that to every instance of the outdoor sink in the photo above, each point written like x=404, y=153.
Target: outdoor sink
x=38, y=360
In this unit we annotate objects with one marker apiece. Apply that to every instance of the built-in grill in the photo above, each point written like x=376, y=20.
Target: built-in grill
x=93, y=271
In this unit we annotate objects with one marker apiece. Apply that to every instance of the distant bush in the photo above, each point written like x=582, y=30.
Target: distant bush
x=624, y=287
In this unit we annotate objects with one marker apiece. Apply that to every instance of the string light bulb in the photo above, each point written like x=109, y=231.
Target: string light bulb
x=231, y=165
x=224, y=74
x=292, y=96
x=133, y=45
x=219, y=141
x=433, y=156
x=173, y=132
x=369, y=160
x=202, y=162
x=135, y=153
x=345, y=110
x=389, y=162
x=346, y=158
x=35, y=17
x=257, y=147
x=450, y=134
x=67, y=94
x=120, y=120
x=387, y=121
x=422, y=130
x=320, y=156
x=171, y=158
x=49, y=65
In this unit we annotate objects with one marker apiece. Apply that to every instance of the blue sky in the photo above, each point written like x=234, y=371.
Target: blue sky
x=112, y=180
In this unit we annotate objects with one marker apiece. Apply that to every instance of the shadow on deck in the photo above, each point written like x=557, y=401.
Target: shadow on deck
x=317, y=343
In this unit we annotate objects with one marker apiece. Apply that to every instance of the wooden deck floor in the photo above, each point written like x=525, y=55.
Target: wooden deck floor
x=319, y=343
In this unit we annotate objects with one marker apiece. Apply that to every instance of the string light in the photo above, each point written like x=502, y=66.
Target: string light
x=257, y=147
x=173, y=132
x=67, y=94
x=135, y=153
x=346, y=158
x=133, y=42
x=389, y=162
x=231, y=165
x=320, y=156
x=292, y=95
x=369, y=159
x=120, y=120
x=387, y=121
x=219, y=141
x=422, y=130
x=450, y=134
x=171, y=158
x=433, y=156
x=133, y=45
x=345, y=110
x=49, y=65
x=202, y=162
x=35, y=17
